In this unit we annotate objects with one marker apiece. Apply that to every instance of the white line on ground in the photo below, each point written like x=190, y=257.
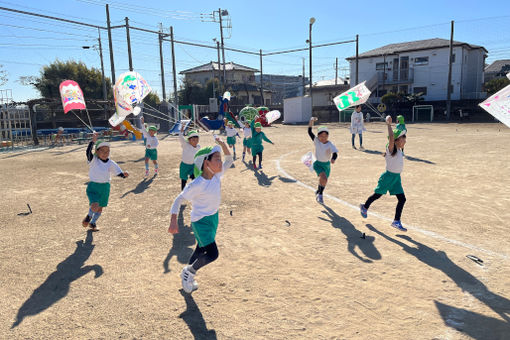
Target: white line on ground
x=410, y=227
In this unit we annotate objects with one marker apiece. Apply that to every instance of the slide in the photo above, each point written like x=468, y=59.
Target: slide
x=212, y=124
x=177, y=127
x=130, y=128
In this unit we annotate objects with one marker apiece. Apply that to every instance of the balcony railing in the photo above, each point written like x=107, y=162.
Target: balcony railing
x=403, y=79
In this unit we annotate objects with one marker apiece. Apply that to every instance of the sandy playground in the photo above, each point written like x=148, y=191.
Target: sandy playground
x=289, y=268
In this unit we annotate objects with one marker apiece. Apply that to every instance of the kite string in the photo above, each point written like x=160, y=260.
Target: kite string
x=90, y=121
x=90, y=128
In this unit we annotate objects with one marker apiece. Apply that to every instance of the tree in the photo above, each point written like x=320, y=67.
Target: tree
x=496, y=84
x=152, y=99
x=90, y=80
x=193, y=93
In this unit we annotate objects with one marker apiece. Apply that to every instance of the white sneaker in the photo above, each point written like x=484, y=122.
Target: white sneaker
x=319, y=199
x=195, y=285
x=187, y=278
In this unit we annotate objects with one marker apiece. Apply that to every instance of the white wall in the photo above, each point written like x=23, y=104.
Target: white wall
x=467, y=71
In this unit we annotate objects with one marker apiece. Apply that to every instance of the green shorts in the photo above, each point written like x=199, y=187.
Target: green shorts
x=389, y=181
x=320, y=167
x=231, y=140
x=247, y=142
x=152, y=154
x=205, y=229
x=186, y=170
x=98, y=193
x=255, y=149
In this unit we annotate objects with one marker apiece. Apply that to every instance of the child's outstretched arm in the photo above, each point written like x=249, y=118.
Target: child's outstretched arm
x=391, y=143
x=224, y=146
x=266, y=139
x=90, y=155
x=310, y=125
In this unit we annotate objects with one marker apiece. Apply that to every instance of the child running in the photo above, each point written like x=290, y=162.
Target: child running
x=151, y=145
x=189, y=149
x=357, y=126
x=390, y=179
x=256, y=142
x=204, y=193
x=247, y=138
x=98, y=189
x=324, y=151
x=231, y=136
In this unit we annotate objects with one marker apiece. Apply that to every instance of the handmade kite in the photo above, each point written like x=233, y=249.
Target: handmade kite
x=308, y=159
x=73, y=99
x=498, y=105
x=271, y=116
x=354, y=96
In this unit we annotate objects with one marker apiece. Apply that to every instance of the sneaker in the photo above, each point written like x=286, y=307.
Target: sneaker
x=354, y=147
x=85, y=222
x=156, y=171
x=254, y=167
x=362, y=148
x=363, y=210
x=187, y=279
x=260, y=166
x=93, y=227
x=195, y=285
x=319, y=199
x=146, y=173
x=398, y=225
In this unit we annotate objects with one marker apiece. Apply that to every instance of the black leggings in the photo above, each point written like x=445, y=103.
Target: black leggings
x=360, y=139
x=183, y=181
x=400, y=205
x=255, y=158
x=203, y=256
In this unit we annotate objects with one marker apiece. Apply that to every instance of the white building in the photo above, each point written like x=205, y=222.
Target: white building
x=422, y=66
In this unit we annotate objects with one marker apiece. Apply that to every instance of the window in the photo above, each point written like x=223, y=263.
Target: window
x=381, y=66
x=453, y=58
x=421, y=61
x=423, y=90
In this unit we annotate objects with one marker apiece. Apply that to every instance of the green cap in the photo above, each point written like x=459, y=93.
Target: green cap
x=153, y=128
x=201, y=155
x=257, y=125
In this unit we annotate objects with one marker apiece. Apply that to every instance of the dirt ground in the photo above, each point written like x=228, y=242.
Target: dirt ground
x=289, y=268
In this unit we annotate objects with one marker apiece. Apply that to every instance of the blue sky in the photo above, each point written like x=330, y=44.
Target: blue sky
x=27, y=43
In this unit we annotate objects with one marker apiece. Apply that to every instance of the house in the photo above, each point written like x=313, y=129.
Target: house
x=244, y=93
x=282, y=86
x=422, y=66
x=234, y=73
x=497, y=69
x=323, y=91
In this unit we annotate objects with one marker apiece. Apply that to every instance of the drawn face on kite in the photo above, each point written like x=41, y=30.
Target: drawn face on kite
x=193, y=141
x=400, y=142
x=214, y=164
x=323, y=137
x=103, y=152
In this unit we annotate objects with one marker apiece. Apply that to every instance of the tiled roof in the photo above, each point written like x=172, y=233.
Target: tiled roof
x=214, y=66
x=497, y=65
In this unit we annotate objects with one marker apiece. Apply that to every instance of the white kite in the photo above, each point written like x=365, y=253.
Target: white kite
x=498, y=105
x=354, y=96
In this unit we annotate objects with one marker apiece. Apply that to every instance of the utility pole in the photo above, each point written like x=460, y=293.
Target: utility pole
x=449, y=86
x=110, y=44
x=261, y=75
x=219, y=69
x=303, y=76
x=312, y=20
x=222, y=47
x=160, y=36
x=357, y=60
x=129, y=45
x=336, y=72
x=105, y=98
x=176, y=97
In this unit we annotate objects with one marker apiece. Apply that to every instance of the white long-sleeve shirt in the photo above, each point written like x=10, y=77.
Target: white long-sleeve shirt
x=247, y=132
x=204, y=194
x=188, y=151
x=231, y=132
x=100, y=172
x=152, y=141
x=357, y=125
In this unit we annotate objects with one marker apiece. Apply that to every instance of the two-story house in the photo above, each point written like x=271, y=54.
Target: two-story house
x=422, y=66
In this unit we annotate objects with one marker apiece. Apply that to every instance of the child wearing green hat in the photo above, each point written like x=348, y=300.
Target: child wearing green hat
x=151, y=145
x=324, y=151
x=231, y=136
x=204, y=193
x=190, y=147
x=247, y=138
x=256, y=142
x=98, y=188
x=390, y=179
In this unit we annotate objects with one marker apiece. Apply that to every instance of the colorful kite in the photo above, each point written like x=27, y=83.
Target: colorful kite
x=271, y=116
x=73, y=99
x=354, y=96
x=498, y=105
x=72, y=96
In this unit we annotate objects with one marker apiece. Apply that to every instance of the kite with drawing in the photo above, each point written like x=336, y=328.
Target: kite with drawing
x=73, y=99
x=498, y=105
